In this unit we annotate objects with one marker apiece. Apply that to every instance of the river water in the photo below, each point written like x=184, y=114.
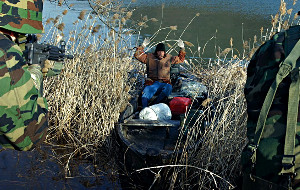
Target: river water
x=237, y=19
x=210, y=32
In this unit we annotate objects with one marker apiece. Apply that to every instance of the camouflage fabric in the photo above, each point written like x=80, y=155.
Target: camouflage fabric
x=23, y=112
x=261, y=73
x=56, y=69
x=23, y=16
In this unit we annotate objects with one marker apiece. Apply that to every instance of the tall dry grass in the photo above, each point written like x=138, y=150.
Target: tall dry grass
x=216, y=149
x=214, y=163
x=86, y=99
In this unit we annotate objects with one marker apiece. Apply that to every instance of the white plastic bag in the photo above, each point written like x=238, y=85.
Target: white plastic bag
x=159, y=111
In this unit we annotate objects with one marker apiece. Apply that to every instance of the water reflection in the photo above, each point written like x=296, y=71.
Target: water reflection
x=218, y=22
x=250, y=7
x=40, y=169
x=213, y=21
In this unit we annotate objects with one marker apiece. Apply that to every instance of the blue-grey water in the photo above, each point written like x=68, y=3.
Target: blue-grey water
x=210, y=32
x=218, y=21
x=237, y=19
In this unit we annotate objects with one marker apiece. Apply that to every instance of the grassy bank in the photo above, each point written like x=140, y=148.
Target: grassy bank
x=85, y=100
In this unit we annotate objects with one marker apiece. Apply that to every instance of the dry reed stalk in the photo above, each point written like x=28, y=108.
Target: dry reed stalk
x=85, y=101
x=222, y=140
x=86, y=98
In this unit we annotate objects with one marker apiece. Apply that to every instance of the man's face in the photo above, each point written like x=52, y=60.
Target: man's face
x=161, y=54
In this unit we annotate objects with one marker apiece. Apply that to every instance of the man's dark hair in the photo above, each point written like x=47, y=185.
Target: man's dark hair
x=160, y=47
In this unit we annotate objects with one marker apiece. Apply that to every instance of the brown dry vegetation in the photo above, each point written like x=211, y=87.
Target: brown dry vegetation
x=86, y=99
x=215, y=163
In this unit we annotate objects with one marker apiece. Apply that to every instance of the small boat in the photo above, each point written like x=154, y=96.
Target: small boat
x=148, y=143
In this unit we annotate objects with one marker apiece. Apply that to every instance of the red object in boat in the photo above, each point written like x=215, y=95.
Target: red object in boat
x=179, y=105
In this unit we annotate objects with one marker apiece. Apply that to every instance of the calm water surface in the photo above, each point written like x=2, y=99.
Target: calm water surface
x=237, y=19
